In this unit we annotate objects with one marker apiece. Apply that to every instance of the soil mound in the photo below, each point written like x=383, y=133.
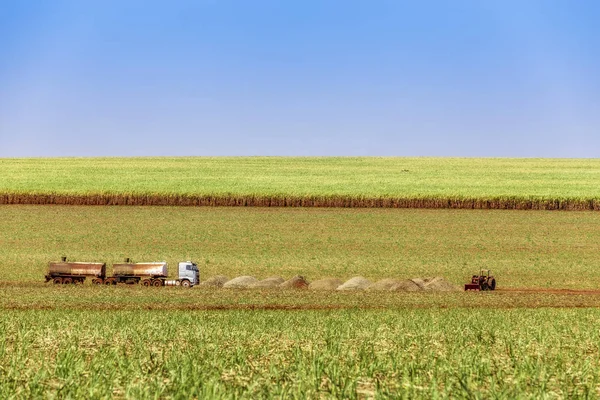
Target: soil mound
x=384, y=284
x=356, y=283
x=439, y=284
x=241, y=282
x=271, y=282
x=326, y=284
x=420, y=282
x=408, y=285
x=215, y=281
x=297, y=282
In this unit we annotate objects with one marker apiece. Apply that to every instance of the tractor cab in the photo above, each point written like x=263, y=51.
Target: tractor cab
x=484, y=274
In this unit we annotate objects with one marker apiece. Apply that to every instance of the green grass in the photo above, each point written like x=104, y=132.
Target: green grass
x=328, y=181
x=133, y=342
x=420, y=353
x=523, y=248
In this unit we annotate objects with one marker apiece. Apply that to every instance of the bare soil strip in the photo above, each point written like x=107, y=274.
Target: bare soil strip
x=552, y=291
x=301, y=201
x=276, y=307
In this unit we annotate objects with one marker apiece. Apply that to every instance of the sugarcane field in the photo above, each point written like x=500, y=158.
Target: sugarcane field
x=261, y=301
x=256, y=200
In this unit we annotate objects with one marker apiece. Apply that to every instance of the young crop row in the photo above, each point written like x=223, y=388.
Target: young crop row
x=340, y=201
x=306, y=354
x=480, y=183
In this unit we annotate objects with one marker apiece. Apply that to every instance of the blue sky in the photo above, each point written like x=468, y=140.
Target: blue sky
x=222, y=77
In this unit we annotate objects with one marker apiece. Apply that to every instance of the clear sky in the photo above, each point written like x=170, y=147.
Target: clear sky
x=300, y=77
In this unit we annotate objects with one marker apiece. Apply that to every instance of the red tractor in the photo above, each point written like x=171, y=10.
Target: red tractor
x=484, y=281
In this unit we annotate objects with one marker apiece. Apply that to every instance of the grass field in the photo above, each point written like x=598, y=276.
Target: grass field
x=284, y=181
x=524, y=248
x=133, y=342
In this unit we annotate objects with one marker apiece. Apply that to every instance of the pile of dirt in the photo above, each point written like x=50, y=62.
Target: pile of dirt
x=326, y=284
x=439, y=284
x=297, y=282
x=241, y=282
x=215, y=281
x=356, y=283
x=420, y=282
x=436, y=284
x=384, y=284
x=271, y=282
x=408, y=285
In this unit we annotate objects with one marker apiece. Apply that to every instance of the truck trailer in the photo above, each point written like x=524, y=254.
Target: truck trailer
x=74, y=272
x=146, y=273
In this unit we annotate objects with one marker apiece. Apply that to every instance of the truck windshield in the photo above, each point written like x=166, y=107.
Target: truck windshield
x=192, y=267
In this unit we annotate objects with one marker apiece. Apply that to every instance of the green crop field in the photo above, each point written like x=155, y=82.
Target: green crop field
x=415, y=353
x=284, y=181
x=535, y=337
x=524, y=248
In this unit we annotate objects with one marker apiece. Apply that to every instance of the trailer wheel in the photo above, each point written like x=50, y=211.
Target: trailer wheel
x=147, y=282
x=97, y=281
x=110, y=281
x=185, y=283
x=67, y=281
x=57, y=281
x=157, y=282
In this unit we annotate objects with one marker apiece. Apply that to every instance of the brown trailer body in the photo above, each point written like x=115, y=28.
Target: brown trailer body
x=149, y=269
x=74, y=272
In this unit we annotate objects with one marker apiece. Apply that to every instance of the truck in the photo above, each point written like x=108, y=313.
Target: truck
x=146, y=273
x=152, y=274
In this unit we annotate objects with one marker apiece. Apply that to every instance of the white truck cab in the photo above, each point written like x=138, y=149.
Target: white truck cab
x=189, y=275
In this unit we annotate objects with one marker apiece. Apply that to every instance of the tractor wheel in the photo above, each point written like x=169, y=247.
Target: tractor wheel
x=147, y=282
x=157, y=282
x=185, y=283
x=492, y=284
x=57, y=281
x=67, y=281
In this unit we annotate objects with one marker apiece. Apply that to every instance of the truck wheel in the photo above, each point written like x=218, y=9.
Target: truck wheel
x=57, y=281
x=146, y=282
x=185, y=283
x=109, y=282
x=157, y=283
x=97, y=281
x=67, y=281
